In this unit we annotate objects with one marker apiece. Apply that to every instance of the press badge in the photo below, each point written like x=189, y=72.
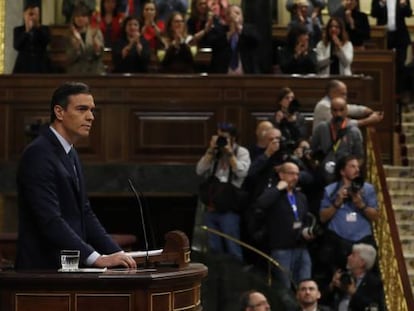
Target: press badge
x=297, y=224
x=351, y=217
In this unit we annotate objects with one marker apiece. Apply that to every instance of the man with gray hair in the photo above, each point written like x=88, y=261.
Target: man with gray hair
x=358, y=288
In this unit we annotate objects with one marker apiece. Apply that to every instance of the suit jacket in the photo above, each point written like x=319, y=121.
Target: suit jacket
x=247, y=48
x=31, y=46
x=54, y=214
x=401, y=38
x=370, y=291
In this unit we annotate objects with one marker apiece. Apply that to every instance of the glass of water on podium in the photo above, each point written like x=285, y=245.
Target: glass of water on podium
x=69, y=260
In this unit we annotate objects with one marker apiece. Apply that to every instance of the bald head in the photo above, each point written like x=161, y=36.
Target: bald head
x=261, y=129
x=336, y=88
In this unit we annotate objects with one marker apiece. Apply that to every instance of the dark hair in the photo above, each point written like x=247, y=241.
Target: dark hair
x=195, y=14
x=61, y=95
x=228, y=128
x=81, y=10
x=306, y=280
x=282, y=93
x=116, y=9
x=245, y=299
x=125, y=22
x=141, y=17
x=294, y=33
x=343, y=35
x=168, y=27
x=342, y=162
x=30, y=6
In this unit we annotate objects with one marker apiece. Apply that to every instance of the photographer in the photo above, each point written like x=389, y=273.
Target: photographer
x=348, y=207
x=285, y=209
x=287, y=117
x=357, y=288
x=229, y=162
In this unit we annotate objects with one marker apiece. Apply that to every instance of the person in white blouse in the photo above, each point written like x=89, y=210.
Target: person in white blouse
x=335, y=52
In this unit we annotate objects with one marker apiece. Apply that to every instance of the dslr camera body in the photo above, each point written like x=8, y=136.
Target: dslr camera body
x=356, y=185
x=221, y=142
x=345, y=279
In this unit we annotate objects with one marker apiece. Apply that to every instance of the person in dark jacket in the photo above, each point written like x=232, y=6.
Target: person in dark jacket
x=132, y=52
x=234, y=45
x=356, y=23
x=30, y=41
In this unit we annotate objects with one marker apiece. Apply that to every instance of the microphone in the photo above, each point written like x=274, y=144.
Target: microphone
x=144, y=228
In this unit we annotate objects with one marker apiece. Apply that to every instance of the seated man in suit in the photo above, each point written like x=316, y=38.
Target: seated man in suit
x=54, y=212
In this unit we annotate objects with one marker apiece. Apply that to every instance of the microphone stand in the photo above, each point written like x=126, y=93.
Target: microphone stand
x=144, y=228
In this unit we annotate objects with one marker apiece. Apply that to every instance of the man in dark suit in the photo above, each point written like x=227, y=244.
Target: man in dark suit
x=398, y=37
x=54, y=212
x=30, y=41
x=235, y=45
x=359, y=287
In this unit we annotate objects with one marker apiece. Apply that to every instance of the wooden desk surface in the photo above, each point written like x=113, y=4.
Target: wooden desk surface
x=161, y=290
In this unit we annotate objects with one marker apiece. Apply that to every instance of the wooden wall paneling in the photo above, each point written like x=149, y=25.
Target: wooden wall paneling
x=380, y=64
x=170, y=134
x=4, y=132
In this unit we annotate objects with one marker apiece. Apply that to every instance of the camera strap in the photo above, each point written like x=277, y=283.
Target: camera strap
x=336, y=136
x=292, y=200
x=215, y=165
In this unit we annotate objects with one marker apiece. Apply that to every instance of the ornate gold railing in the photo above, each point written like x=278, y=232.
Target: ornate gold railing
x=398, y=294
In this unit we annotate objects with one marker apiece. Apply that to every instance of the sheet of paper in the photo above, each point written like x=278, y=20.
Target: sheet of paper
x=144, y=253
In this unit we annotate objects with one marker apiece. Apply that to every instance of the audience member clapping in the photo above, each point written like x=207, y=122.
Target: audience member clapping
x=131, y=53
x=297, y=56
x=356, y=23
x=151, y=26
x=30, y=41
x=312, y=23
x=85, y=44
x=178, y=44
x=234, y=45
x=335, y=52
x=109, y=21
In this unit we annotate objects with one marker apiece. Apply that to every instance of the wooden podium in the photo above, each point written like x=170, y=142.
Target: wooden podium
x=163, y=288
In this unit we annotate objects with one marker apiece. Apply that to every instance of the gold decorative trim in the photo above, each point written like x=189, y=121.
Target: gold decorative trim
x=2, y=33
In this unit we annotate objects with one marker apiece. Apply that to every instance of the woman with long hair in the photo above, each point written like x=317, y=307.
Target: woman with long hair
x=151, y=26
x=109, y=20
x=178, y=56
x=335, y=52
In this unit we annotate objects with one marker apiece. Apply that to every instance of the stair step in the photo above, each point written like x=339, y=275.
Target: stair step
x=399, y=171
x=407, y=243
x=403, y=214
x=407, y=117
x=405, y=227
x=400, y=183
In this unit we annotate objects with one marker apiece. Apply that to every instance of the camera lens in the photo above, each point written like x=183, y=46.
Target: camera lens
x=221, y=142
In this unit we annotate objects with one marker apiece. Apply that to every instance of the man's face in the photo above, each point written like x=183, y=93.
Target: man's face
x=32, y=14
x=76, y=120
x=351, y=170
x=290, y=174
x=234, y=14
x=308, y=293
x=258, y=302
x=354, y=261
x=339, y=108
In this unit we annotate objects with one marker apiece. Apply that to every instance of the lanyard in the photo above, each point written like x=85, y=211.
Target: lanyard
x=292, y=201
x=336, y=140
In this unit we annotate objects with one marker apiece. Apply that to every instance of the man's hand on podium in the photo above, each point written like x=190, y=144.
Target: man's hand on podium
x=119, y=259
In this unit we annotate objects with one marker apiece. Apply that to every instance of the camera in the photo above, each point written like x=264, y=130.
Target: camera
x=315, y=229
x=345, y=279
x=293, y=106
x=356, y=184
x=221, y=141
